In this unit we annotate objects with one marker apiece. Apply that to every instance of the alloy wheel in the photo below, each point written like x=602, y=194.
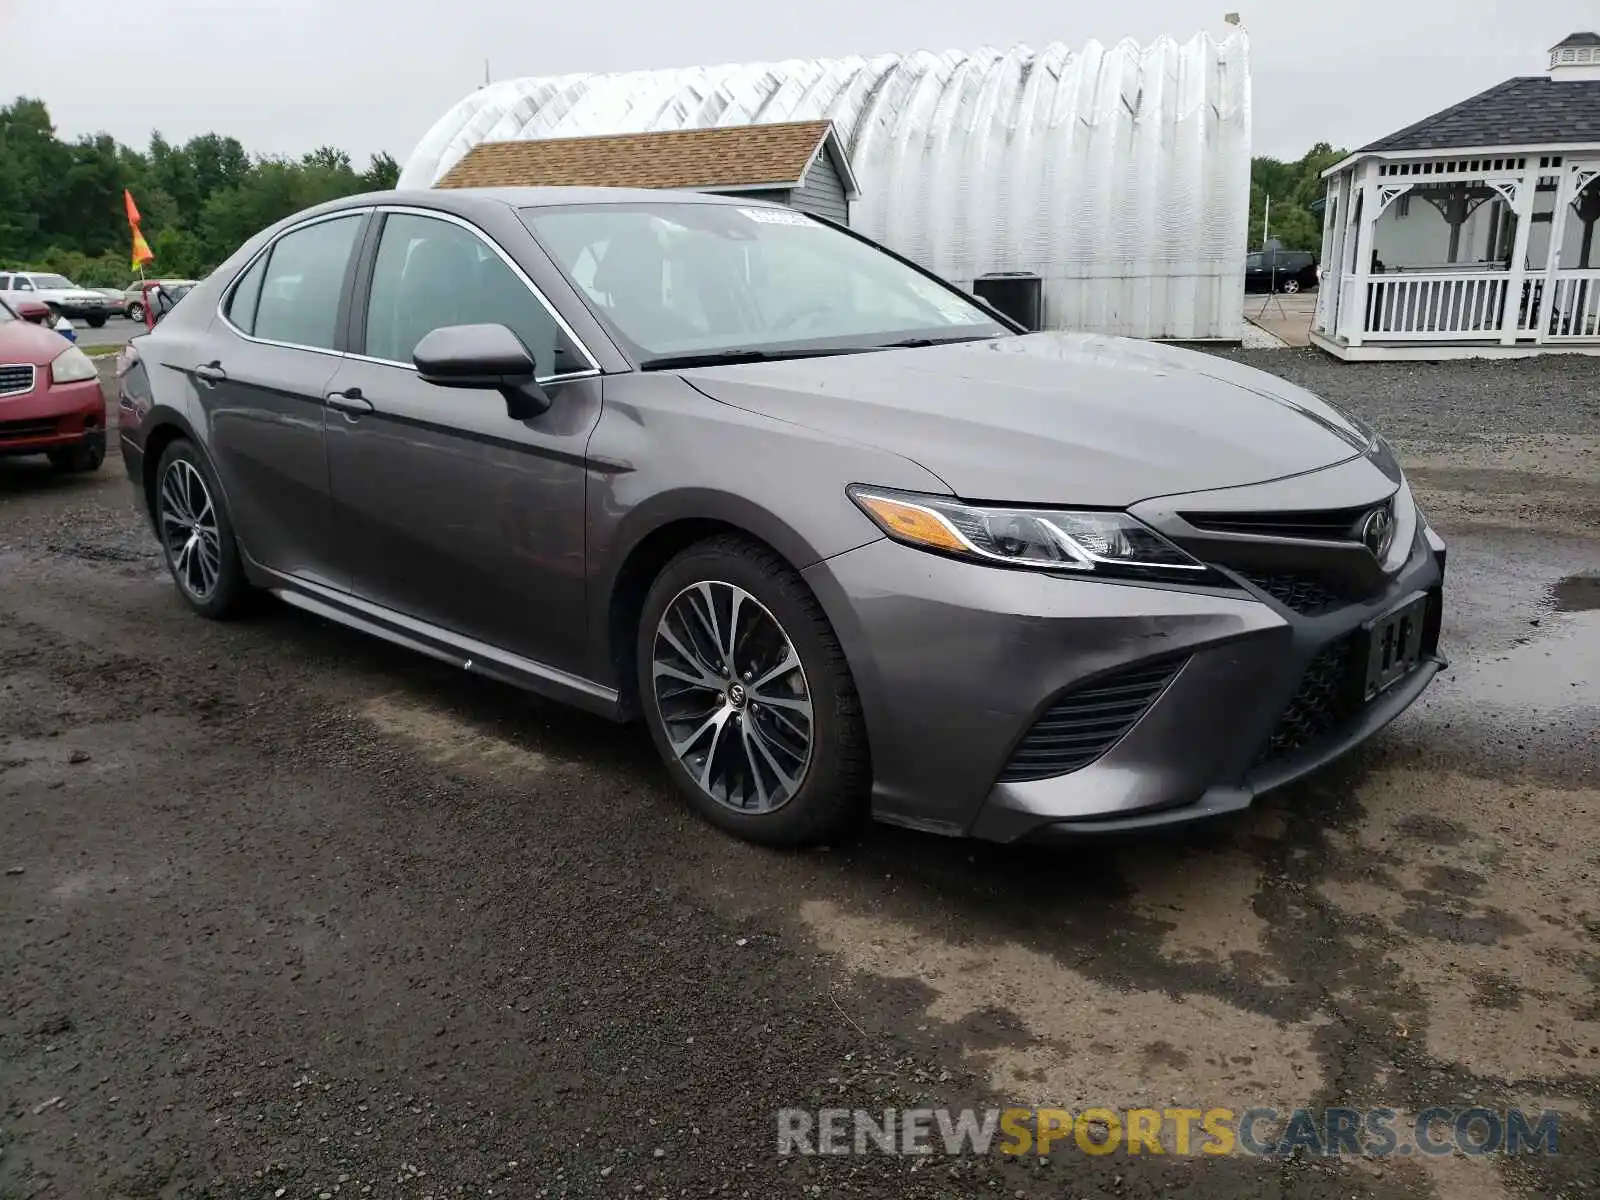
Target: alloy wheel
x=733, y=697
x=189, y=531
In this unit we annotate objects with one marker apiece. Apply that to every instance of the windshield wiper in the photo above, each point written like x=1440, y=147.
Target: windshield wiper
x=918, y=343
x=731, y=358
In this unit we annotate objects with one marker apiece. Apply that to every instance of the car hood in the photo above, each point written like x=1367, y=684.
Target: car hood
x=1055, y=418
x=24, y=342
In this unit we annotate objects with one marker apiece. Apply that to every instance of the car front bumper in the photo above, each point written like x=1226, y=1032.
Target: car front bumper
x=52, y=417
x=956, y=663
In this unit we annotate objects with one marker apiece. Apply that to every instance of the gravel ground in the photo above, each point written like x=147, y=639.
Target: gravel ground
x=1454, y=403
x=1487, y=444
x=289, y=912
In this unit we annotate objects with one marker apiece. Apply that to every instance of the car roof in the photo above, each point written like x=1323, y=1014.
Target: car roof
x=463, y=200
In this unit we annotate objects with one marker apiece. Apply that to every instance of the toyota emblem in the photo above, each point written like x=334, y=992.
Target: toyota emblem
x=1377, y=532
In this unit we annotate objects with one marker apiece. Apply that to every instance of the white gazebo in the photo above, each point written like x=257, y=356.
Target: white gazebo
x=1472, y=232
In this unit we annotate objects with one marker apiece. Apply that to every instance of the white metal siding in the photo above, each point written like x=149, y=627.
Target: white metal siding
x=1121, y=175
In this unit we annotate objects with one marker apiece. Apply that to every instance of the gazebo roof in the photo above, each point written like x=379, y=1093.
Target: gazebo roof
x=1529, y=110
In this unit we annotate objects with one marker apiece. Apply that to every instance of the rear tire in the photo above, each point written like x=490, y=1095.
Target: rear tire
x=196, y=535
x=1291, y=286
x=136, y=311
x=788, y=764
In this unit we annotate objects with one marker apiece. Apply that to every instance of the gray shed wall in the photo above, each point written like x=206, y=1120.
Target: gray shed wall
x=823, y=193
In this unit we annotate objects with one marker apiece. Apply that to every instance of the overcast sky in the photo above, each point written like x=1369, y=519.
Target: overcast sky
x=284, y=76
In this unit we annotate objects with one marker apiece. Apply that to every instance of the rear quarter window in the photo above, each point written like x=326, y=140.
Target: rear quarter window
x=245, y=297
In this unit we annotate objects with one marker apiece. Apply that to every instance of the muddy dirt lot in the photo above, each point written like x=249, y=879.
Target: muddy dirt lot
x=289, y=912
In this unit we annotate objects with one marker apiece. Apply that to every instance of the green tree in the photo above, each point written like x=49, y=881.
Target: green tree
x=1294, y=188
x=382, y=175
x=61, y=202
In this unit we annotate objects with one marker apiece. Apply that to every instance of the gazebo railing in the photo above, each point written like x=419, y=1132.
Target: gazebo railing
x=1574, y=307
x=1435, y=306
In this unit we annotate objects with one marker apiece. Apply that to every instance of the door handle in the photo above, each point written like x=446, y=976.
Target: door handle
x=350, y=401
x=210, y=373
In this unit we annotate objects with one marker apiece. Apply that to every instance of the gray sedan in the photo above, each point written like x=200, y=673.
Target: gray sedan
x=844, y=539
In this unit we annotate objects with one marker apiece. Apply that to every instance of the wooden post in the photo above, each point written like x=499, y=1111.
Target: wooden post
x=1517, y=276
x=1558, y=235
x=1366, y=231
x=1332, y=256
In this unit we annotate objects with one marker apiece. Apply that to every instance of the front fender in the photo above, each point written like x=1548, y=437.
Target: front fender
x=664, y=454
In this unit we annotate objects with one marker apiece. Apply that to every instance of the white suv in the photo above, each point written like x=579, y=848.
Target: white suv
x=65, y=298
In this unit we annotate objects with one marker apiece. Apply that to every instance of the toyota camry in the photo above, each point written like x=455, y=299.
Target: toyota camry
x=845, y=539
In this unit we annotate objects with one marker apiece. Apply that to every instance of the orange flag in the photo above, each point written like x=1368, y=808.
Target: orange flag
x=141, y=248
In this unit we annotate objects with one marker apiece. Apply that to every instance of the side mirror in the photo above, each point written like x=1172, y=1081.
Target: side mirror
x=33, y=311
x=483, y=356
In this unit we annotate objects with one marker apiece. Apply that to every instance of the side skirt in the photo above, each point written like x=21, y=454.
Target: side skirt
x=480, y=658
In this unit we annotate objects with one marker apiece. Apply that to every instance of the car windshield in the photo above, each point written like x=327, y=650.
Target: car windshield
x=53, y=281
x=690, y=280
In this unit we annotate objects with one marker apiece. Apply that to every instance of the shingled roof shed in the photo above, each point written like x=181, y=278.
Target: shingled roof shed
x=798, y=163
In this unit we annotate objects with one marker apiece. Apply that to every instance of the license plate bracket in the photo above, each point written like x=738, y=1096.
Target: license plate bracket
x=1393, y=645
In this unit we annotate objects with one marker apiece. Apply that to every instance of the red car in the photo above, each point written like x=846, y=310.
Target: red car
x=50, y=398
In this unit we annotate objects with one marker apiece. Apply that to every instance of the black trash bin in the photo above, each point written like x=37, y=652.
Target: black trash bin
x=1018, y=294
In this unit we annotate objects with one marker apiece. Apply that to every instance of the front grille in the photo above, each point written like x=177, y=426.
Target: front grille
x=1300, y=593
x=1326, y=699
x=15, y=378
x=29, y=429
x=1083, y=724
x=1328, y=525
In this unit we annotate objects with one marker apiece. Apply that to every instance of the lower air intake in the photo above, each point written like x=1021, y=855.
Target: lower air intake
x=1325, y=701
x=1086, y=722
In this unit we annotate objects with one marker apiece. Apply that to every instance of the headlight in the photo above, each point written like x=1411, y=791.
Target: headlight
x=71, y=366
x=1044, y=539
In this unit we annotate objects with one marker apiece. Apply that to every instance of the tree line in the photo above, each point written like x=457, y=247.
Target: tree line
x=61, y=203
x=1295, y=187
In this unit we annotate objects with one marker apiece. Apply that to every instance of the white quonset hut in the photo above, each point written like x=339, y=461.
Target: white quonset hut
x=1119, y=175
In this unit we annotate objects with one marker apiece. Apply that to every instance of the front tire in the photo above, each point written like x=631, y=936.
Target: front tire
x=749, y=698
x=196, y=535
x=96, y=322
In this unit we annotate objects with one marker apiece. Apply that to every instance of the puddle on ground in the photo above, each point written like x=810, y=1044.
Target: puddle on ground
x=1553, y=666
x=1577, y=593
